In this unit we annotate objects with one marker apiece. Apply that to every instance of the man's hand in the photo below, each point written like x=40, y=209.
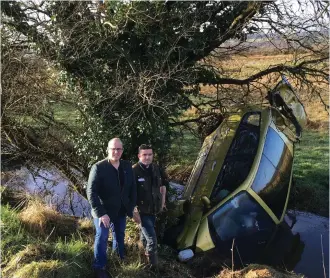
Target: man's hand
x=105, y=220
x=136, y=216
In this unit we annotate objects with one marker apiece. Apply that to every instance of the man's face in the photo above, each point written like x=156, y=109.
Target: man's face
x=115, y=150
x=146, y=156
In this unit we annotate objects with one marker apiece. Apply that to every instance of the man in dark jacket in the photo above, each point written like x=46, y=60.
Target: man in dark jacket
x=151, y=192
x=111, y=191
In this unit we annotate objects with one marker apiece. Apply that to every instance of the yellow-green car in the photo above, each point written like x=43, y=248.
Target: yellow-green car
x=240, y=184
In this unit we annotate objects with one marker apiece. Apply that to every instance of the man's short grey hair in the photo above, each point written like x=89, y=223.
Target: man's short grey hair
x=112, y=140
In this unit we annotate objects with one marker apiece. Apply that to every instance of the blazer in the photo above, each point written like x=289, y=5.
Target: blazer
x=104, y=191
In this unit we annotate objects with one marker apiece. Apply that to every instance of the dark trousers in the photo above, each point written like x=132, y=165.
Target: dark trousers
x=148, y=234
x=101, y=240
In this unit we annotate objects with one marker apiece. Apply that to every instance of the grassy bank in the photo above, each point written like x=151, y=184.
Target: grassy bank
x=38, y=242
x=36, y=246
x=43, y=243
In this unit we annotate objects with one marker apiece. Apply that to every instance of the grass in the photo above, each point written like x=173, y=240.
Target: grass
x=46, y=269
x=25, y=253
x=253, y=270
x=185, y=149
x=65, y=113
x=29, y=254
x=311, y=173
x=13, y=235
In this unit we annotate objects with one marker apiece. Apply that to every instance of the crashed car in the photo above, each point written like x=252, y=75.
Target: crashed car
x=239, y=188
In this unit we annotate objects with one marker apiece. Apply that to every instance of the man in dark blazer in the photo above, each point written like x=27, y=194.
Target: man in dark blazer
x=111, y=191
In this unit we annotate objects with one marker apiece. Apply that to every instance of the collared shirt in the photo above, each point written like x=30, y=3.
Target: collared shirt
x=147, y=168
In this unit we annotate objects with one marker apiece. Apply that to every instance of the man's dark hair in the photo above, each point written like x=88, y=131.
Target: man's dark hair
x=145, y=147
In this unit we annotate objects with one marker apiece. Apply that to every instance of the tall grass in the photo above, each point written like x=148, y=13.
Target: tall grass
x=13, y=236
x=26, y=253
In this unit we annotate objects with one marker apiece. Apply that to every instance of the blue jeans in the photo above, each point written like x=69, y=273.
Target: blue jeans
x=101, y=240
x=148, y=234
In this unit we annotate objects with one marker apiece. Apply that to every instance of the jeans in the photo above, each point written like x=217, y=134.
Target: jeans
x=148, y=234
x=101, y=240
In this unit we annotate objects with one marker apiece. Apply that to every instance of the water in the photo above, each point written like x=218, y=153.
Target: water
x=52, y=188
x=313, y=231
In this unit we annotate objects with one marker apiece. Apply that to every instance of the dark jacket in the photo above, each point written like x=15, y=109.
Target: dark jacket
x=149, y=198
x=104, y=190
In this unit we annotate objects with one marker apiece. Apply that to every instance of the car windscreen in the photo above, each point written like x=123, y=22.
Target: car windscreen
x=274, y=173
x=239, y=159
x=243, y=219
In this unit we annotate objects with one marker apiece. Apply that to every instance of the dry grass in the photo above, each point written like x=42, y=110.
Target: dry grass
x=243, y=66
x=45, y=221
x=41, y=269
x=257, y=271
x=31, y=253
x=14, y=198
x=318, y=117
x=85, y=224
